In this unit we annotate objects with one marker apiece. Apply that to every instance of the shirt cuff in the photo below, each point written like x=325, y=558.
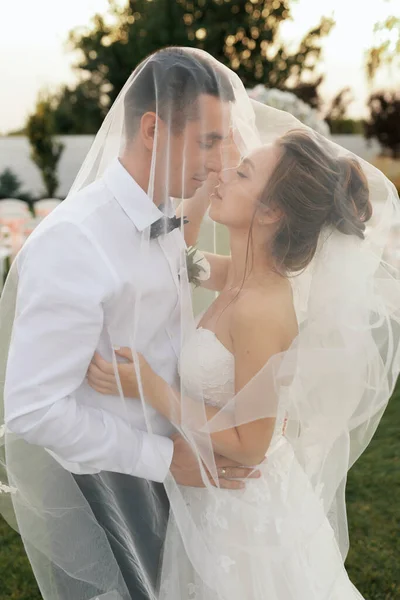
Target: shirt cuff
x=155, y=458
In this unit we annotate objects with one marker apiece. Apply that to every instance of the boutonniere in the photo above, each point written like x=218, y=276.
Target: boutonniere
x=197, y=266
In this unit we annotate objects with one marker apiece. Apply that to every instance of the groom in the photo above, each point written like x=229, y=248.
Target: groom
x=79, y=279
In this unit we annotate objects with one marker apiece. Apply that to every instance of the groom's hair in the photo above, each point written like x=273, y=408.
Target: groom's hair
x=169, y=82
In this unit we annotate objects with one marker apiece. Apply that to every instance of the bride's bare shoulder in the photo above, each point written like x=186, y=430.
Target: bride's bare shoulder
x=266, y=310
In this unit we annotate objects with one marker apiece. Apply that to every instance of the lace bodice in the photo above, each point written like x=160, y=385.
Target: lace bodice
x=207, y=369
x=208, y=366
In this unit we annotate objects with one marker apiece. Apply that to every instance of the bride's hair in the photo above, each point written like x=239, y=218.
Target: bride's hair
x=313, y=189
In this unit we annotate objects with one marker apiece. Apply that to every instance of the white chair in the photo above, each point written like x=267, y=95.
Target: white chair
x=30, y=225
x=14, y=214
x=13, y=206
x=44, y=207
x=14, y=220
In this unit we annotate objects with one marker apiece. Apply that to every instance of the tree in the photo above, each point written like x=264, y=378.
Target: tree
x=243, y=34
x=45, y=151
x=308, y=92
x=336, y=114
x=339, y=105
x=10, y=187
x=384, y=121
x=387, y=47
x=78, y=109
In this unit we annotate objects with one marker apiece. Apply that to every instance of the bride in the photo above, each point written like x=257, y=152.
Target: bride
x=288, y=206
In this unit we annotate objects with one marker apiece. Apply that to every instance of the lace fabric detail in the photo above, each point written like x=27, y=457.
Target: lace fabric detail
x=208, y=366
x=207, y=369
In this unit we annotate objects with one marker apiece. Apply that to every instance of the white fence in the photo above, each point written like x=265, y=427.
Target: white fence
x=15, y=154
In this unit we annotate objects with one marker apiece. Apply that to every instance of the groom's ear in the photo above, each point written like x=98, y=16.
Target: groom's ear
x=148, y=129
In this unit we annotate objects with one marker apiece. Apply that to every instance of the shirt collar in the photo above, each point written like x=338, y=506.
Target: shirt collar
x=130, y=196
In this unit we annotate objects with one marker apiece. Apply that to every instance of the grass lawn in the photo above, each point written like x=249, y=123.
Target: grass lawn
x=373, y=500
x=373, y=494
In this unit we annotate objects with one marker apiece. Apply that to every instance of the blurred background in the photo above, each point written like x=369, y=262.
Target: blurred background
x=334, y=64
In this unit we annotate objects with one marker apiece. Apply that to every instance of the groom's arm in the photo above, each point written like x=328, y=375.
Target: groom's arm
x=64, y=284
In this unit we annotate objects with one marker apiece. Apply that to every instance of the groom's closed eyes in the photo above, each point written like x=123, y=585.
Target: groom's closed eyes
x=208, y=141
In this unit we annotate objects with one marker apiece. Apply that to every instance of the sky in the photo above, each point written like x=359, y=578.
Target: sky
x=34, y=54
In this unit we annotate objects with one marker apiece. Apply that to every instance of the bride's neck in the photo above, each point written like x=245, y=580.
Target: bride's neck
x=250, y=259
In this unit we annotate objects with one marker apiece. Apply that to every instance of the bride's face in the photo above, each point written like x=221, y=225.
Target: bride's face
x=237, y=195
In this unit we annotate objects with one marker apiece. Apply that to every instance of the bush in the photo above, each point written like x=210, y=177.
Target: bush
x=288, y=101
x=10, y=187
x=346, y=126
x=384, y=122
x=45, y=150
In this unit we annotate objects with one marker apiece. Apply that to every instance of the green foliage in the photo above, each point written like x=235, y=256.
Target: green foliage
x=339, y=105
x=384, y=121
x=308, y=92
x=336, y=114
x=193, y=266
x=387, y=47
x=243, y=34
x=79, y=109
x=17, y=580
x=45, y=151
x=17, y=132
x=10, y=187
x=346, y=126
x=373, y=512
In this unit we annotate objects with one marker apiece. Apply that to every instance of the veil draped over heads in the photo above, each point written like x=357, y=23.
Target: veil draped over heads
x=184, y=112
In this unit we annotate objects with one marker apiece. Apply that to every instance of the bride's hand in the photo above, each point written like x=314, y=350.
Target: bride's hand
x=101, y=376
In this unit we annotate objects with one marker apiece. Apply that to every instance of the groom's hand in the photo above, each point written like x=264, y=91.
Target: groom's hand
x=185, y=468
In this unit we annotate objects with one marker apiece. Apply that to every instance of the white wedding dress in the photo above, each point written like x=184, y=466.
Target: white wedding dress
x=270, y=541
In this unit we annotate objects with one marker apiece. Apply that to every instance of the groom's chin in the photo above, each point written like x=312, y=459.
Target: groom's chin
x=197, y=185
x=189, y=192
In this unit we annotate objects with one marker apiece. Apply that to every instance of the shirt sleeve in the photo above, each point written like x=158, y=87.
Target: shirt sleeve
x=64, y=284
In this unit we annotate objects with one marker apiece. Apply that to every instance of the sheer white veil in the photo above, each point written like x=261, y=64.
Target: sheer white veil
x=331, y=386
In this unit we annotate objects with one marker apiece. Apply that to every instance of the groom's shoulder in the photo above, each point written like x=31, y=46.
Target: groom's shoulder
x=77, y=216
x=89, y=202
x=88, y=210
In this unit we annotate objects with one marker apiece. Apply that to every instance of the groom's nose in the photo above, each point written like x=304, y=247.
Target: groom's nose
x=214, y=166
x=214, y=162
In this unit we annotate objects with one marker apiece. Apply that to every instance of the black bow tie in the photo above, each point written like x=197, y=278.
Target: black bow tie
x=166, y=225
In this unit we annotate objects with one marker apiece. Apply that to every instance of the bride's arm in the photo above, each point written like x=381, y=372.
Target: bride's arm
x=165, y=399
x=256, y=337
x=194, y=209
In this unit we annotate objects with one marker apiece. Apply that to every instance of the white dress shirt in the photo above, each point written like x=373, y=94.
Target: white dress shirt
x=87, y=282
